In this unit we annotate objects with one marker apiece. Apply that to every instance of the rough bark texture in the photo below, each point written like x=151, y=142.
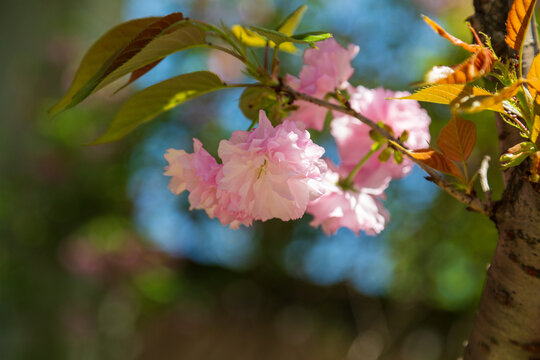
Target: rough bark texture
x=507, y=325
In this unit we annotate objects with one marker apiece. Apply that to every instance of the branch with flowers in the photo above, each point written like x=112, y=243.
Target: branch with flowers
x=275, y=170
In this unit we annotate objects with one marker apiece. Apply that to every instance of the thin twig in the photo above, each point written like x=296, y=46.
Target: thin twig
x=228, y=51
x=482, y=172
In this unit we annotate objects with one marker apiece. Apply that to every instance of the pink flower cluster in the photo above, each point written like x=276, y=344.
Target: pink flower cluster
x=357, y=207
x=278, y=172
x=353, y=141
x=325, y=69
x=271, y=172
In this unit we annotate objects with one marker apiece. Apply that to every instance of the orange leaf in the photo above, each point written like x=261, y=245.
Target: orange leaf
x=437, y=161
x=517, y=22
x=454, y=40
x=535, y=131
x=534, y=73
x=479, y=64
x=457, y=139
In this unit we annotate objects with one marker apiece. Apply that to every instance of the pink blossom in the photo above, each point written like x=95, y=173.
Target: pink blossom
x=353, y=141
x=325, y=69
x=197, y=173
x=355, y=209
x=266, y=173
x=271, y=172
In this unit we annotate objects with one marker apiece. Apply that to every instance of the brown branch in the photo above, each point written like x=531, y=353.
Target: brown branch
x=472, y=202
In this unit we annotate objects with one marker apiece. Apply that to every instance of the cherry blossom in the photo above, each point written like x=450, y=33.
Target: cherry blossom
x=272, y=172
x=325, y=69
x=354, y=208
x=353, y=140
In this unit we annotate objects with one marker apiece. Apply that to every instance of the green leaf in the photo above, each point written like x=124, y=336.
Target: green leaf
x=291, y=22
x=152, y=101
x=516, y=154
x=398, y=157
x=483, y=102
x=279, y=38
x=251, y=38
x=99, y=52
x=159, y=39
x=254, y=99
x=385, y=154
x=313, y=36
x=186, y=36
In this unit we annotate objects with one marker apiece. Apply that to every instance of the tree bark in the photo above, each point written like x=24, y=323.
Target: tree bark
x=507, y=324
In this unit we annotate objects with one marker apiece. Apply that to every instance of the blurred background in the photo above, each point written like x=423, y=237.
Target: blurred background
x=98, y=260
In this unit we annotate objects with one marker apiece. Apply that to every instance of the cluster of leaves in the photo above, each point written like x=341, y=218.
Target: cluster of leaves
x=517, y=102
x=137, y=46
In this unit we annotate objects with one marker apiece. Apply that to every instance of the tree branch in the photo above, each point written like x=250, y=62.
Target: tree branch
x=472, y=202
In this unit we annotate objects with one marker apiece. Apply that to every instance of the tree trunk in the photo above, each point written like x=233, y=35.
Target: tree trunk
x=507, y=324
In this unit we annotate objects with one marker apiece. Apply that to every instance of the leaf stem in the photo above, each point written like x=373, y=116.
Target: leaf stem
x=266, y=49
x=465, y=171
x=350, y=178
x=228, y=51
x=274, y=58
x=253, y=123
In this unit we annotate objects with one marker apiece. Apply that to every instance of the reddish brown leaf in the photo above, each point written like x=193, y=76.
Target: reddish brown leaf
x=437, y=161
x=102, y=50
x=517, y=22
x=454, y=40
x=138, y=43
x=457, y=139
x=479, y=64
x=141, y=40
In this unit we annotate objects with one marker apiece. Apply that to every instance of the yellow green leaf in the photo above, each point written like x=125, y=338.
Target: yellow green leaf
x=158, y=98
x=483, y=102
x=535, y=131
x=451, y=94
x=518, y=21
x=291, y=22
x=457, y=139
x=108, y=44
x=251, y=38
